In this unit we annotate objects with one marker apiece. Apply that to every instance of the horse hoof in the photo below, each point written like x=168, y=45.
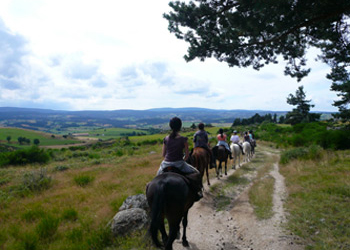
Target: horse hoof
x=185, y=243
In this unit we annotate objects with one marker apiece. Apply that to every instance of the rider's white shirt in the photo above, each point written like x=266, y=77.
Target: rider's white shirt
x=234, y=138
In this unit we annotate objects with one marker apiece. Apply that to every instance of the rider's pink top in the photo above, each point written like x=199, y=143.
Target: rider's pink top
x=221, y=138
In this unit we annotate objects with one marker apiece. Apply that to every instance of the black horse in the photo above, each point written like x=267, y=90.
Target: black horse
x=169, y=196
x=221, y=154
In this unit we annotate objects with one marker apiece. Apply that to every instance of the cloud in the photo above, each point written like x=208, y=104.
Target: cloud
x=81, y=70
x=9, y=84
x=98, y=82
x=12, y=51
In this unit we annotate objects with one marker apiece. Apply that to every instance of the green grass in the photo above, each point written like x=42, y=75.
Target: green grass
x=319, y=198
x=260, y=196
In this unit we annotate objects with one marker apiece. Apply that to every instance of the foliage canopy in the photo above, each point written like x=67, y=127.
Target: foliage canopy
x=254, y=33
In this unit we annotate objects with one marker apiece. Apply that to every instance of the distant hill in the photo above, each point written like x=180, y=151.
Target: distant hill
x=59, y=121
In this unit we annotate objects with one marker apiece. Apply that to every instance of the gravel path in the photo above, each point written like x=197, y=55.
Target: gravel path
x=237, y=227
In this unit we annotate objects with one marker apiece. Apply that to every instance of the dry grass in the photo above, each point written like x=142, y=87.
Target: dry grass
x=96, y=203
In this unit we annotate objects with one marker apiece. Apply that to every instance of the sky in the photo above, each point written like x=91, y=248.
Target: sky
x=109, y=55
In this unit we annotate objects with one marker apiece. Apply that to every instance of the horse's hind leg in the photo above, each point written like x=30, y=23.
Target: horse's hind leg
x=226, y=167
x=184, y=224
x=163, y=232
x=174, y=227
x=207, y=171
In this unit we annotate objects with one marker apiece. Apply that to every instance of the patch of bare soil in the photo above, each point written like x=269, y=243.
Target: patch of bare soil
x=237, y=228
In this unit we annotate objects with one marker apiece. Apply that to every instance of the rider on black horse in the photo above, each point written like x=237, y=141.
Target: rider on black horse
x=174, y=146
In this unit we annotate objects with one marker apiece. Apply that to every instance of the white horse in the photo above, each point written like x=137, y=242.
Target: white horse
x=247, y=149
x=236, y=153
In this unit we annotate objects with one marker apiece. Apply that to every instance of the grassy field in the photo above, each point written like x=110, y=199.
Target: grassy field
x=44, y=138
x=319, y=198
x=113, y=133
x=67, y=203
x=77, y=194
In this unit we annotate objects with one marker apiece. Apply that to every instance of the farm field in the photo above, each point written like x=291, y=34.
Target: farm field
x=44, y=138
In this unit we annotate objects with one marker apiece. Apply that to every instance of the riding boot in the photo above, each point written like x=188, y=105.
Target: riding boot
x=241, y=147
x=196, y=185
x=229, y=154
x=212, y=162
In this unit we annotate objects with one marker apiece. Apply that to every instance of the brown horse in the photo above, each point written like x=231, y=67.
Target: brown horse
x=221, y=155
x=200, y=159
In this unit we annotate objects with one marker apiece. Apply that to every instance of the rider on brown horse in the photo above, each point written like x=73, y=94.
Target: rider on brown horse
x=174, y=145
x=200, y=139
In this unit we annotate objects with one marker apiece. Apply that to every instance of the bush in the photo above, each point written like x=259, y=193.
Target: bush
x=83, y=180
x=94, y=156
x=33, y=214
x=293, y=154
x=47, y=227
x=36, y=180
x=24, y=156
x=61, y=168
x=313, y=152
x=70, y=214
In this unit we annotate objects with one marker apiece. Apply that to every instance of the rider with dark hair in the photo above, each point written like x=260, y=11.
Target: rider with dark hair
x=174, y=147
x=247, y=138
x=222, y=141
x=200, y=139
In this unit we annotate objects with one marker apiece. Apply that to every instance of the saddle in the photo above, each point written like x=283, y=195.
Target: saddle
x=173, y=169
x=194, y=180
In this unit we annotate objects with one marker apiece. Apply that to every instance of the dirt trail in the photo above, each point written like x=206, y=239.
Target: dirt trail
x=236, y=227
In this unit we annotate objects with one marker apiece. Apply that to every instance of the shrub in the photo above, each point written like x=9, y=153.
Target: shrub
x=83, y=180
x=313, y=152
x=70, y=214
x=119, y=152
x=94, y=156
x=36, y=180
x=75, y=235
x=29, y=241
x=47, y=227
x=24, y=156
x=4, y=181
x=61, y=168
x=33, y=214
x=292, y=154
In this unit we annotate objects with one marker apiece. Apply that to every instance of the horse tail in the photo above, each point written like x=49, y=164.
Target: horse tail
x=156, y=215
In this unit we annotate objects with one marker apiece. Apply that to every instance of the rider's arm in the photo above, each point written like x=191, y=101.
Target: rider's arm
x=164, y=150
x=186, y=151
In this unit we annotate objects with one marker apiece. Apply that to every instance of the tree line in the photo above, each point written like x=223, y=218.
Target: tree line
x=300, y=114
x=23, y=140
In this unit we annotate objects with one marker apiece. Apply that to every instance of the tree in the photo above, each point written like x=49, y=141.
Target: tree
x=236, y=122
x=275, y=118
x=20, y=140
x=193, y=126
x=281, y=119
x=254, y=33
x=36, y=141
x=8, y=138
x=302, y=112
